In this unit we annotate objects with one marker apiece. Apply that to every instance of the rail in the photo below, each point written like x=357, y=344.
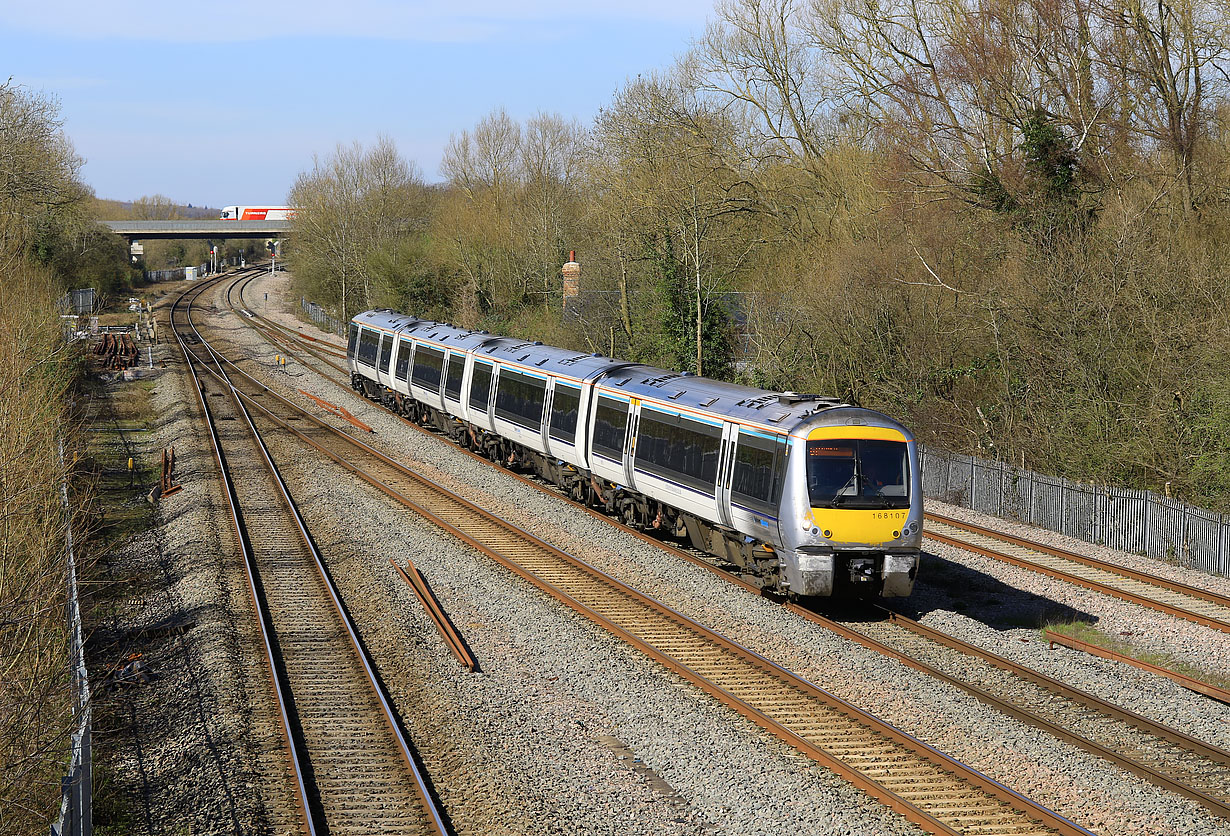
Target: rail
x=1153, y=592
x=1127, y=519
x=275, y=573
x=911, y=777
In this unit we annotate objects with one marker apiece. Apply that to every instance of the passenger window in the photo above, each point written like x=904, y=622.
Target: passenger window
x=610, y=427
x=760, y=464
x=369, y=345
x=565, y=406
x=520, y=398
x=679, y=449
x=428, y=367
x=386, y=352
x=480, y=386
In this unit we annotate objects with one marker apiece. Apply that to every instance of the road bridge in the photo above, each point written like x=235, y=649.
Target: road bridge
x=214, y=229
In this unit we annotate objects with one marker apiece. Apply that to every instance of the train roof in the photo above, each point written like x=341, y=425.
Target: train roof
x=550, y=359
x=385, y=318
x=742, y=403
x=781, y=411
x=449, y=336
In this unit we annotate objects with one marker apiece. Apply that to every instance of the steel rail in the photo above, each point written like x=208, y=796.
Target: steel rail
x=281, y=689
x=1094, y=703
x=1190, y=682
x=1107, y=588
x=277, y=334
x=1136, y=575
x=414, y=578
x=427, y=804
x=1137, y=765
x=913, y=807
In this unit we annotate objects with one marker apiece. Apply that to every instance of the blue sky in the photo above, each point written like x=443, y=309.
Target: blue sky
x=225, y=102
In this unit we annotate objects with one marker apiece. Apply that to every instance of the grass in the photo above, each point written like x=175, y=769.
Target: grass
x=1086, y=632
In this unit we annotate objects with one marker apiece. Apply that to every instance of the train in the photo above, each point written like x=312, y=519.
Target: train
x=257, y=213
x=803, y=495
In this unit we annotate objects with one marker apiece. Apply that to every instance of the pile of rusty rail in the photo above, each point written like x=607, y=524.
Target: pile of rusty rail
x=168, y=485
x=412, y=576
x=116, y=351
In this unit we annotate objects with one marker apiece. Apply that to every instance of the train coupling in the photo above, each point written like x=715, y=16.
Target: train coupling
x=863, y=570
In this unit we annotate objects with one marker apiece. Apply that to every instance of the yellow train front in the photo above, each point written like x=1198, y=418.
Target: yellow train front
x=852, y=515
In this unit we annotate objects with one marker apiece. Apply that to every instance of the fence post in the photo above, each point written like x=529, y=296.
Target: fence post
x=1223, y=565
x=1002, y=489
x=1031, y=516
x=1063, y=505
x=1183, y=553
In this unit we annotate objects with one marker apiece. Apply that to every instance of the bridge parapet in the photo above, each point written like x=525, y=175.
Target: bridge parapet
x=149, y=230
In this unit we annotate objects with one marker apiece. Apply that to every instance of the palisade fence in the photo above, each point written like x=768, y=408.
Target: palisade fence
x=321, y=317
x=77, y=786
x=1130, y=520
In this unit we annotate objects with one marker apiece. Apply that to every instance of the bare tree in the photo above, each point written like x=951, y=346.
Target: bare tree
x=664, y=157
x=1170, y=58
x=38, y=166
x=348, y=207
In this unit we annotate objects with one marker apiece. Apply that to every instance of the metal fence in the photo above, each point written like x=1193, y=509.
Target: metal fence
x=1130, y=520
x=321, y=317
x=81, y=301
x=77, y=786
x=175, y=274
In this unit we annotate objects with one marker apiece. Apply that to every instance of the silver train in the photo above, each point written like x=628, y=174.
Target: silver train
x=805, y=495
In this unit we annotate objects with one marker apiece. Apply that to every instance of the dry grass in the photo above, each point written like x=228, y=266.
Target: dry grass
x=35, y=372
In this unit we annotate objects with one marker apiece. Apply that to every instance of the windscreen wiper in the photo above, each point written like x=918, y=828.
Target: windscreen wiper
x=839, y=496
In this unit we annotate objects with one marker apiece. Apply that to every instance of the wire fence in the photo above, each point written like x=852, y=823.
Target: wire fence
x=321, y=317
x=77, y=785
x=1127, y=519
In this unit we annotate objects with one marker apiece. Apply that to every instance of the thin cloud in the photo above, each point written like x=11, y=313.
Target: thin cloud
x=235, y=21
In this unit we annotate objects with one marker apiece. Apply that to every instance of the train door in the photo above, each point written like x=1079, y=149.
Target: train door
x=386, y=357
x=634, y=424
x=726, y=461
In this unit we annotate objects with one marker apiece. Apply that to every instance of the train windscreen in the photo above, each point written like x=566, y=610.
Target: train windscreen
x=858, y=473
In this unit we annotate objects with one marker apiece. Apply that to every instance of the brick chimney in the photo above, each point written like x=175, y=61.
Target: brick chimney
x=572, y=283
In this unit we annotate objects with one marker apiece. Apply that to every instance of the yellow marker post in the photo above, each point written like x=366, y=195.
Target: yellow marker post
x=131, y=471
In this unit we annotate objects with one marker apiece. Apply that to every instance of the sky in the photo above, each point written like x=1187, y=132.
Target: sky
x=225, y=102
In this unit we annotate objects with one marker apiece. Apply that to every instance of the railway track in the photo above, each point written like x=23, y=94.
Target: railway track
x=929, y=788
x=1171, y=597
x=1164, y=756
x=351, y=770
x=1158, y=753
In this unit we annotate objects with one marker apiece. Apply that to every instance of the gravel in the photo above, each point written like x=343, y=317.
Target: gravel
x=181, y=752
x=557, y=720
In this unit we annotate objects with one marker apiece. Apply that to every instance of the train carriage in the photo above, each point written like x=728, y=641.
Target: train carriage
x=804, y=494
